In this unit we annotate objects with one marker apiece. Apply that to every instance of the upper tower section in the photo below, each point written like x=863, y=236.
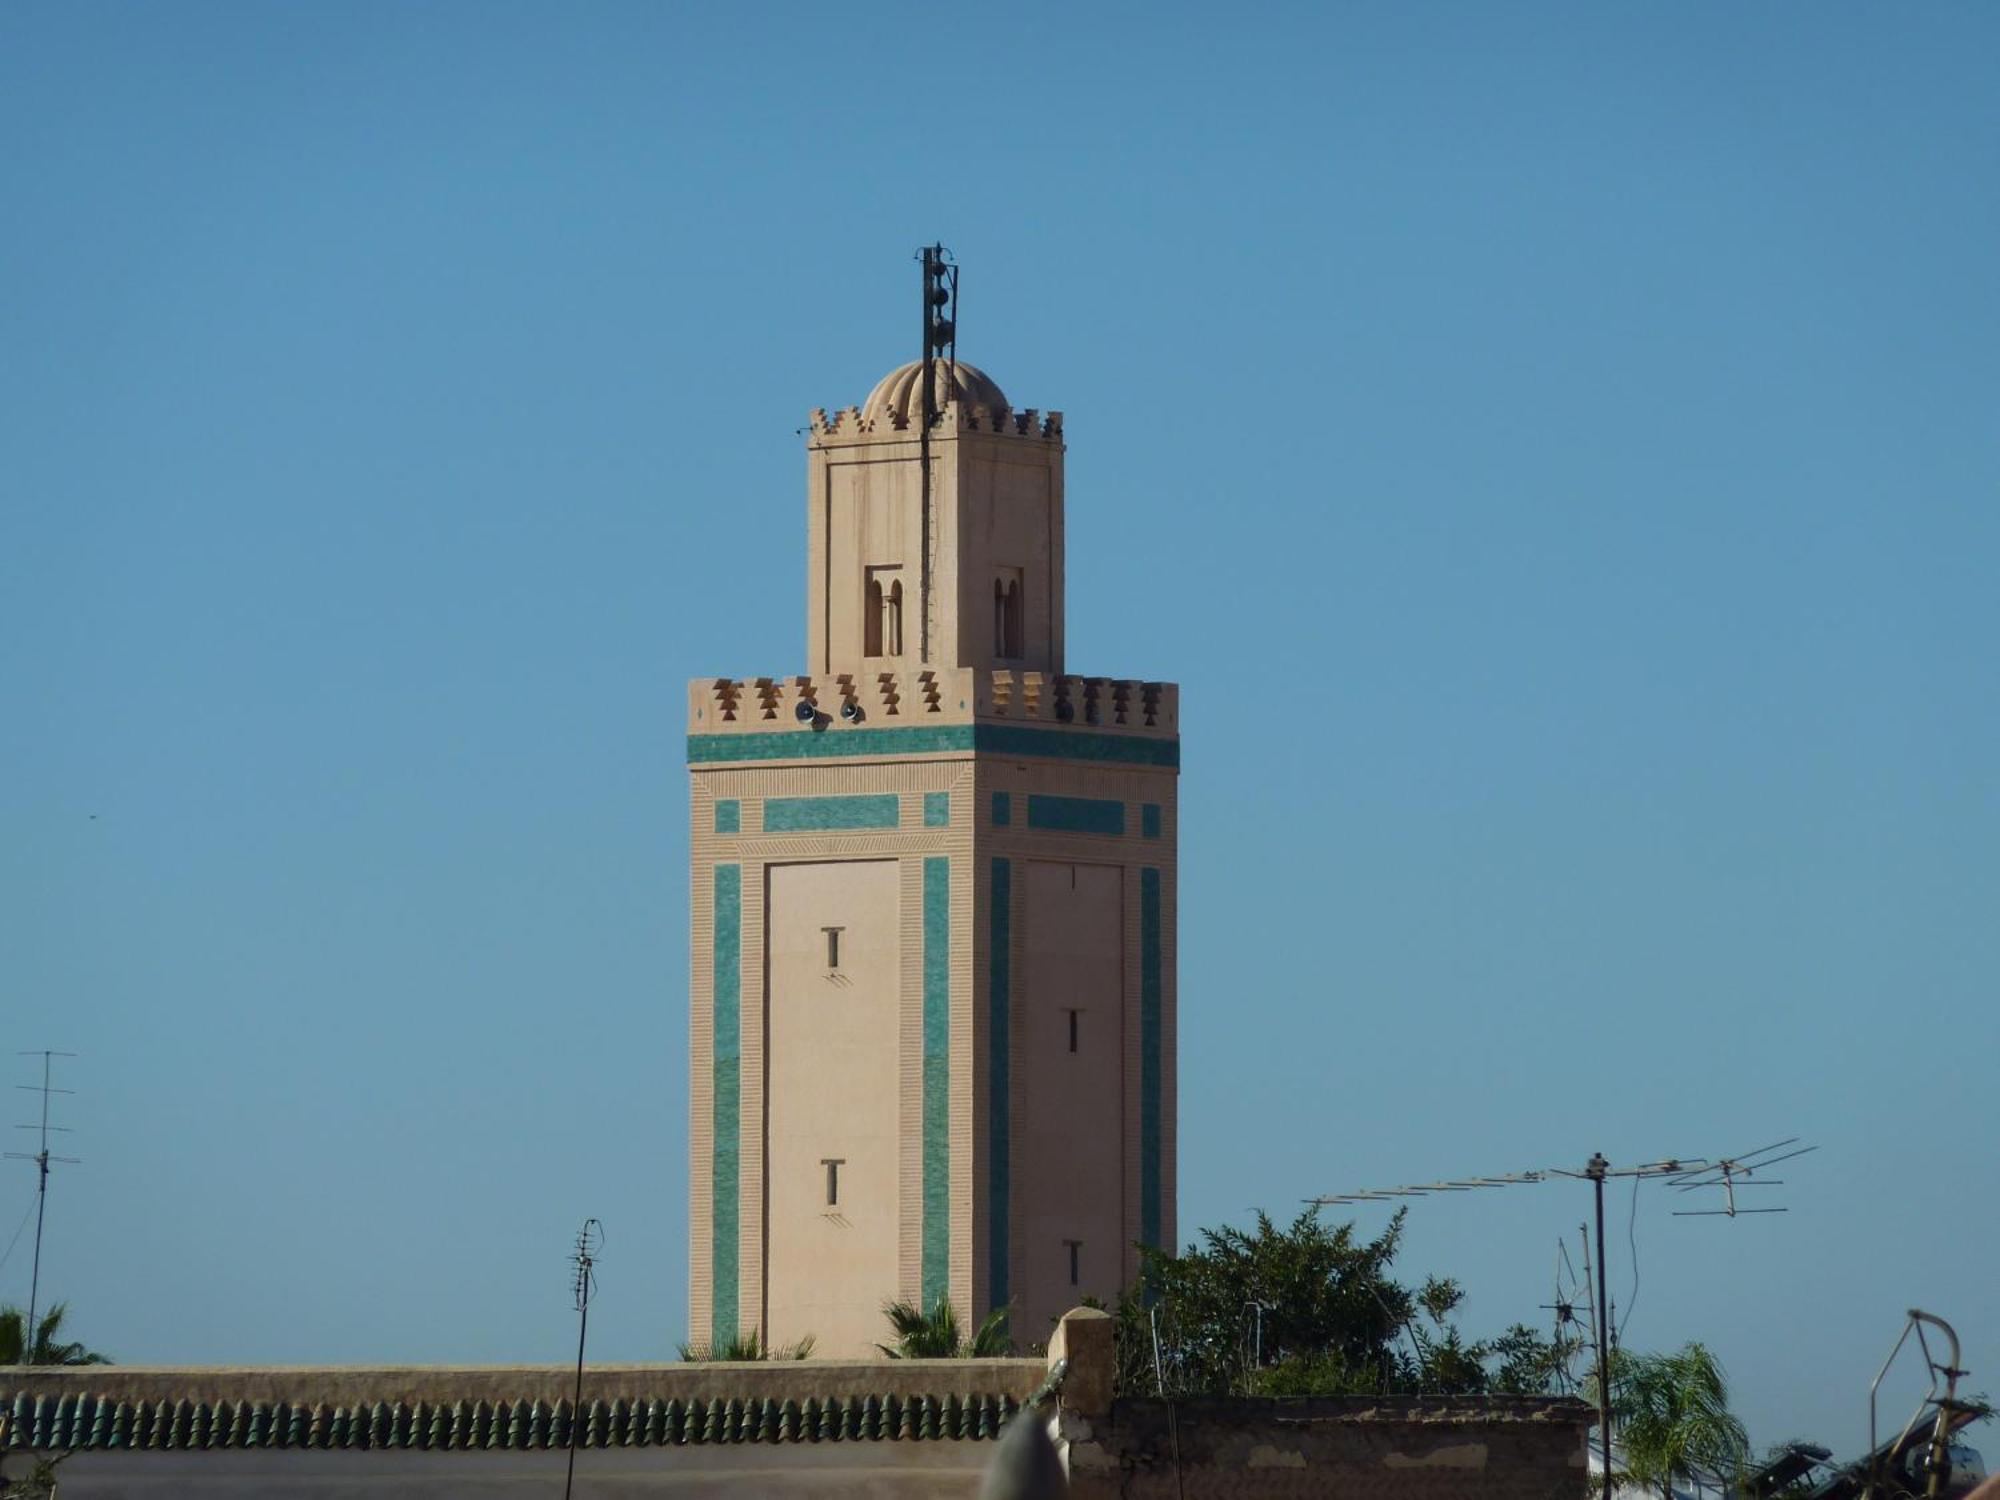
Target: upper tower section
x=934, y=514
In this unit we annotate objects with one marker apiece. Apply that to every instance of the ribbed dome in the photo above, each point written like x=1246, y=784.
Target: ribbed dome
x=899, y=397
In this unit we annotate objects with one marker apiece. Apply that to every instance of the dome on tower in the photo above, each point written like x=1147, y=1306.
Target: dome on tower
x=898, y=396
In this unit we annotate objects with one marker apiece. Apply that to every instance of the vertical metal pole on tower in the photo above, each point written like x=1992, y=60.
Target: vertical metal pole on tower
x=928, y=410
x=1595, y=1172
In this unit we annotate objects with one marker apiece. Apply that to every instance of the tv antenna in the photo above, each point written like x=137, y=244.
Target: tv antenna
x=583, y=1287
x=1685, y=1172
x=1733, y=1172
x=42, y=1159
x=1570, y=1330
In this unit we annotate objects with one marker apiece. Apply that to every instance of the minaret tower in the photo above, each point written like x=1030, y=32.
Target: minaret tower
x=932, y=990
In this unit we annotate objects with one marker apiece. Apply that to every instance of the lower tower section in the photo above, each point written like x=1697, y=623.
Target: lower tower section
x=932, y=1016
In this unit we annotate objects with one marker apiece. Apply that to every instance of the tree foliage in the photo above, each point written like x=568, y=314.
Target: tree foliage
x=936, y=1334
x=1670, y=1414
x=1333, y=1320
x=49, y=1347
x=744, y=1347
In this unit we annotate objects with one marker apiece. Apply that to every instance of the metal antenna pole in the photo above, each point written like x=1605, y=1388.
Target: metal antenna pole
x=41, y=1159
x=940, y=337
x=929, y=412
x=589, y=1240
x=1595, y=1171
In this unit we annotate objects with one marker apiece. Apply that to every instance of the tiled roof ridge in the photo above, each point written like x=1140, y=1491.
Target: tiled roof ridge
x=84, y=1421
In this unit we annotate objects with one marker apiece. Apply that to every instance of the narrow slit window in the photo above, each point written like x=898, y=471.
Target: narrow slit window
x=833, y=1164
x=1008, y=618
x=833, y=945
x=871, y=620
x=1075, y=1248
x=1072, y=1014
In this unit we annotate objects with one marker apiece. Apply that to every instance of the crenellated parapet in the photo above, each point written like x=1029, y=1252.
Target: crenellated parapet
x=854, y=424
x=849, y=701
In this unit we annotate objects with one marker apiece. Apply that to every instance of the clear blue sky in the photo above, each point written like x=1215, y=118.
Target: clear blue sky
x=1567, y=435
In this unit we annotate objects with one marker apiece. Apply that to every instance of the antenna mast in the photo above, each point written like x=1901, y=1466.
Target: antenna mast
x=41, y=1159
x=583, y=1285
x=1685, y=1173
x=940, y=338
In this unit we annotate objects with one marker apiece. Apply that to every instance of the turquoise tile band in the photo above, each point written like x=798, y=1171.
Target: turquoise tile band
x=999, y=1080
x=726, y=1109
x=1001, y=739
x=936, y=1234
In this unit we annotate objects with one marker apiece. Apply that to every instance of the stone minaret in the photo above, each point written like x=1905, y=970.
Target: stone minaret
x=932, y=1000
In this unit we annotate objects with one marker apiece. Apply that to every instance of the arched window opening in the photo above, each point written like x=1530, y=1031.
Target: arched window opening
x=892, y=620
x=1008, y=636
x=871, y=620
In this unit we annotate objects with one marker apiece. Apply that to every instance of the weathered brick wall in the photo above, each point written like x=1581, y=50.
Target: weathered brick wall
x=1354, y=1448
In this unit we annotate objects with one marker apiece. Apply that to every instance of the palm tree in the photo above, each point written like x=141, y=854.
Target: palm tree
x=935, y=1334
x=746, y=1346
x=1671, y=1414
x=46, y=1350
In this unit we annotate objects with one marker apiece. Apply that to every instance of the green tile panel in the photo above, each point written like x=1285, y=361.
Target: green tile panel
x=1076, y=814
x=728, y=815
x=937, y=809
x=817, y=814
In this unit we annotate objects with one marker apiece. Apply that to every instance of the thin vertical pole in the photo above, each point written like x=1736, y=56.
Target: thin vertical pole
x=1595, y=1171
x=929, y=411
x=41, y=1206
x=576, y=1410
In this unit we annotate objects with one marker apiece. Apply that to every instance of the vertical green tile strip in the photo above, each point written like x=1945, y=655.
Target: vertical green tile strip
x=1003, y=809
x=1149, y=820
x=937, y=809
x=999, y=1077
x=1149, y=1057
x=728, y=815
x=728, y=1052
x=936, y=1241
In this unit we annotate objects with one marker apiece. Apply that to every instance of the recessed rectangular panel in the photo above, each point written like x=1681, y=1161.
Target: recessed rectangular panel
x=1068, y=1181
x=832, y=1010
